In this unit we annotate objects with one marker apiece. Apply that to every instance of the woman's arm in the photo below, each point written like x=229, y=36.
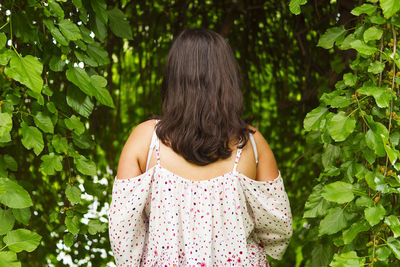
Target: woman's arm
x=267, y=169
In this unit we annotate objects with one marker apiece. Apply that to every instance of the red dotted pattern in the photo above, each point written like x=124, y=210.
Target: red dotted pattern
x=161, y=219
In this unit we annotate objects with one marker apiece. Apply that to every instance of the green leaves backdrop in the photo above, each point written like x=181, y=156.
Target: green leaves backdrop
x=321, y=80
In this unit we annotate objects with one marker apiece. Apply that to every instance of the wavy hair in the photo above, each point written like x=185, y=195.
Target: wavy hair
x=202, y=102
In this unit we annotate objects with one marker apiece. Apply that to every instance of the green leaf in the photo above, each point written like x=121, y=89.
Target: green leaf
x=374, y=214
x=335, y=100
x=347, y=41
x=84, y=141
x=339, y=192
x=79, y=102
x=394, y=245
x=80, y=78
x=332, y=35
x=394, y=138
x=348, y=259
x=97, y=52
x=3, y=40
x=96, y=226
x=56, y=8
x=56, y=64
x=85, y=59
x=378, y=128
x=372, y=33
x=43, y=121
x=77, y=3
x=100, y=29
x=72, y=224
x=391, y=153
x=364, y=201
x=86, y=34
x=6, y=124
x=73, y=194
x=55, y=32
x=22, y=215
x=85, y=166
x=382, y=98
x=374, y=142
x=364, y=9
x=376, y=67
x=9, y=259
x=377, y=181
x=363, y=48
x=52, y=107
x=7, y=221
x=314, y=117
x=68, y=239
x=32, y=138
x=352, y=232
x=60, y=144
x=333, y=222
x=26, y=70
x=377, y=19
x=5, y=56
x=74, y=123
x=383, y=253
x=100, y=9
x=369, y=155
x=321, y=255
x=13, y=195
x=10, y=162
x=389, y=7
x=70, y=30
x=340, y=126
x=294, y=6
x=330, y=154
x=350, y=79
x=22, y=239
x=51, y=163
x=118, y=24
x=393, y=222
x=101, y=93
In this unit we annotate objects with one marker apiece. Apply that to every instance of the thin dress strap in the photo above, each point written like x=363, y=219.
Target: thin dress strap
x=157, y=145
x=238, y=153
x=254, y=147
x=154, y=143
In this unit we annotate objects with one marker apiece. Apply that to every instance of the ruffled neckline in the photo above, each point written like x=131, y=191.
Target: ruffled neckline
x=211, y=180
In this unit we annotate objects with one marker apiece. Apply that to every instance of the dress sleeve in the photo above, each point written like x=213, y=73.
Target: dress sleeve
x=272, y=215
x=127, y=220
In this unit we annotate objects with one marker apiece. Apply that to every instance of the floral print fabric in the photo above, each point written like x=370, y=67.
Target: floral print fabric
x=161, y=219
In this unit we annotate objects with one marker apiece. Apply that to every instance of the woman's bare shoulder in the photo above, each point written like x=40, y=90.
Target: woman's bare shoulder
x=267, y=168
x=132, y=161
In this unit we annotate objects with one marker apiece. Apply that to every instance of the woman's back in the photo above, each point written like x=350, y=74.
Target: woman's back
x=136, y=152
x=176, y=212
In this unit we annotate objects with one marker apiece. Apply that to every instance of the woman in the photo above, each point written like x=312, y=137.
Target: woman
x=181, y=196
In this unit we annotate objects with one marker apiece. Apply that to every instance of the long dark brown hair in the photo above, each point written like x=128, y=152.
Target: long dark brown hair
x=202, y=101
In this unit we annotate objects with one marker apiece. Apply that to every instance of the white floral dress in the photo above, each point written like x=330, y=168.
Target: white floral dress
x=161, y=219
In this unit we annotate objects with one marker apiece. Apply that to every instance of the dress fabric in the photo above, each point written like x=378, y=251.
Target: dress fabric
x=161, y=219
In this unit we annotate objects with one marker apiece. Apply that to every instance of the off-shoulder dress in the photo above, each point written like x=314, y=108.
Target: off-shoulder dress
x=161, y=219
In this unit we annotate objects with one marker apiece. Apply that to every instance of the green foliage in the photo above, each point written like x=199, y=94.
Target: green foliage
x=22, y=239
x=294, y=6
x=64, y=67
x=355, y=201
x=331, y=36
x=47, y=143
x=26, y=70
x=13, y=195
